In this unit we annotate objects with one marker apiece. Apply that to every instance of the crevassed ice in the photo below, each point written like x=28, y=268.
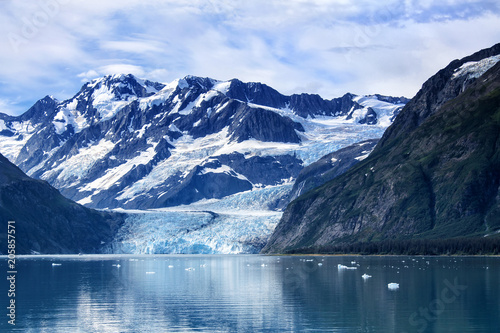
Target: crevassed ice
x=240, y=223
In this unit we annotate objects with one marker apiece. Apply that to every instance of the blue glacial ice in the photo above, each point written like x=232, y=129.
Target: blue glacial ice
x=241, y=223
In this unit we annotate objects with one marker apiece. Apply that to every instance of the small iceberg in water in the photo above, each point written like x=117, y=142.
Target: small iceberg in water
x=393, y=286
x=366, y=276
x=340, y=266
x=56, y=264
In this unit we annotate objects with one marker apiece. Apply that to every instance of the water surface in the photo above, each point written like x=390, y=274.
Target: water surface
x=252, y=293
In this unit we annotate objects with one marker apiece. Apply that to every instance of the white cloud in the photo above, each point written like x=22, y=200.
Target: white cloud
x=132, y=46
x=122, y=69
x=319, y=46
x=7, y=106
x=89, y=75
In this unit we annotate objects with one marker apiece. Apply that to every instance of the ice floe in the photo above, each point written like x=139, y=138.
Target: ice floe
x=393, y=286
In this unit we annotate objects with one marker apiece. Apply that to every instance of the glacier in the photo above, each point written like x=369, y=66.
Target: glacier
x=240, y=223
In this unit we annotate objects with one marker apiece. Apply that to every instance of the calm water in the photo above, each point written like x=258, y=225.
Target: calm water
x=251, y=293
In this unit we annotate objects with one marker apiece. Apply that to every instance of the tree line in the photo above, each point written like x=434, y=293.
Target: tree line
x=452, y=246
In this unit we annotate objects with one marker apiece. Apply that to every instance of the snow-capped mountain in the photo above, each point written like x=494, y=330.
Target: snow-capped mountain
x=123, y=142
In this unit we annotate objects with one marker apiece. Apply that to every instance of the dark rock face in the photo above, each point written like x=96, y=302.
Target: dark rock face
x=45, y=221
x=264, y=125
x=370, y=118
x=198, y=185
x=218, y=177
x=264, y=170
x=434, y=174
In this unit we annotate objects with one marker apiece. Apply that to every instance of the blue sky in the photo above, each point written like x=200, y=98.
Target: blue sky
x=327, y=47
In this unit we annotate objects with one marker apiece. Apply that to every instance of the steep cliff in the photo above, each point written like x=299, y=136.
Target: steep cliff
x=47, y=222
x=434, y=174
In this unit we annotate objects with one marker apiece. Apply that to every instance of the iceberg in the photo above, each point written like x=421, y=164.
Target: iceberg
x=342, y=267
x=366, y=276
x=393, y=286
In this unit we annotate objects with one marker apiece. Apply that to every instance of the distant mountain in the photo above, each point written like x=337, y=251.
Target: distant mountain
x=45, y=221
x=132, y=143
x=435, y=174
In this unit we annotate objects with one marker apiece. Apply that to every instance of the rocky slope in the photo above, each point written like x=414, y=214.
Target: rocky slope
x=330, y=166
x=434, y=174
x=47, y=222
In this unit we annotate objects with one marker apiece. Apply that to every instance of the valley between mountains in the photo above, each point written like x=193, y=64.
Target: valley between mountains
x=206, y=166
x=198, y=165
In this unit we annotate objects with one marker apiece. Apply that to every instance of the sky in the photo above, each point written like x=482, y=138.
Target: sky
x=325, y=47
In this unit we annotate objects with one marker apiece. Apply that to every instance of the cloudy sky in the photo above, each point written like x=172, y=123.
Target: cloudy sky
x=327, y=47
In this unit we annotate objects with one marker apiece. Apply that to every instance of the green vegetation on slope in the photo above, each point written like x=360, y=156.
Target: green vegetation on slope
x=440, y=181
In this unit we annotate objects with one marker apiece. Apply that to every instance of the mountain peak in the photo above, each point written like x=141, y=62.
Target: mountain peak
x=123, y=85
x=446, y=84
x=205, y=83
x=41, y=110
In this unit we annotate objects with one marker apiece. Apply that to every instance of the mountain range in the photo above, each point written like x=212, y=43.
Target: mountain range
x=123, y=142
x=435, y=173
x=220, y=156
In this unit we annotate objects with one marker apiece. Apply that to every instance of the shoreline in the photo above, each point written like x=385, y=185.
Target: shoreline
x=149, y=255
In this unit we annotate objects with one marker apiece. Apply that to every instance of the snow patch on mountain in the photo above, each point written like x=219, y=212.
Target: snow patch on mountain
x=222, y=86
x=108, y=104
x=474, y=69
x=3, y=126
x=223, y=169
x=69, y=116
x=324, y=135
x=77, y=166
x=113, y=175
x=385, y=111
x=19, y=132
x=158, y=98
